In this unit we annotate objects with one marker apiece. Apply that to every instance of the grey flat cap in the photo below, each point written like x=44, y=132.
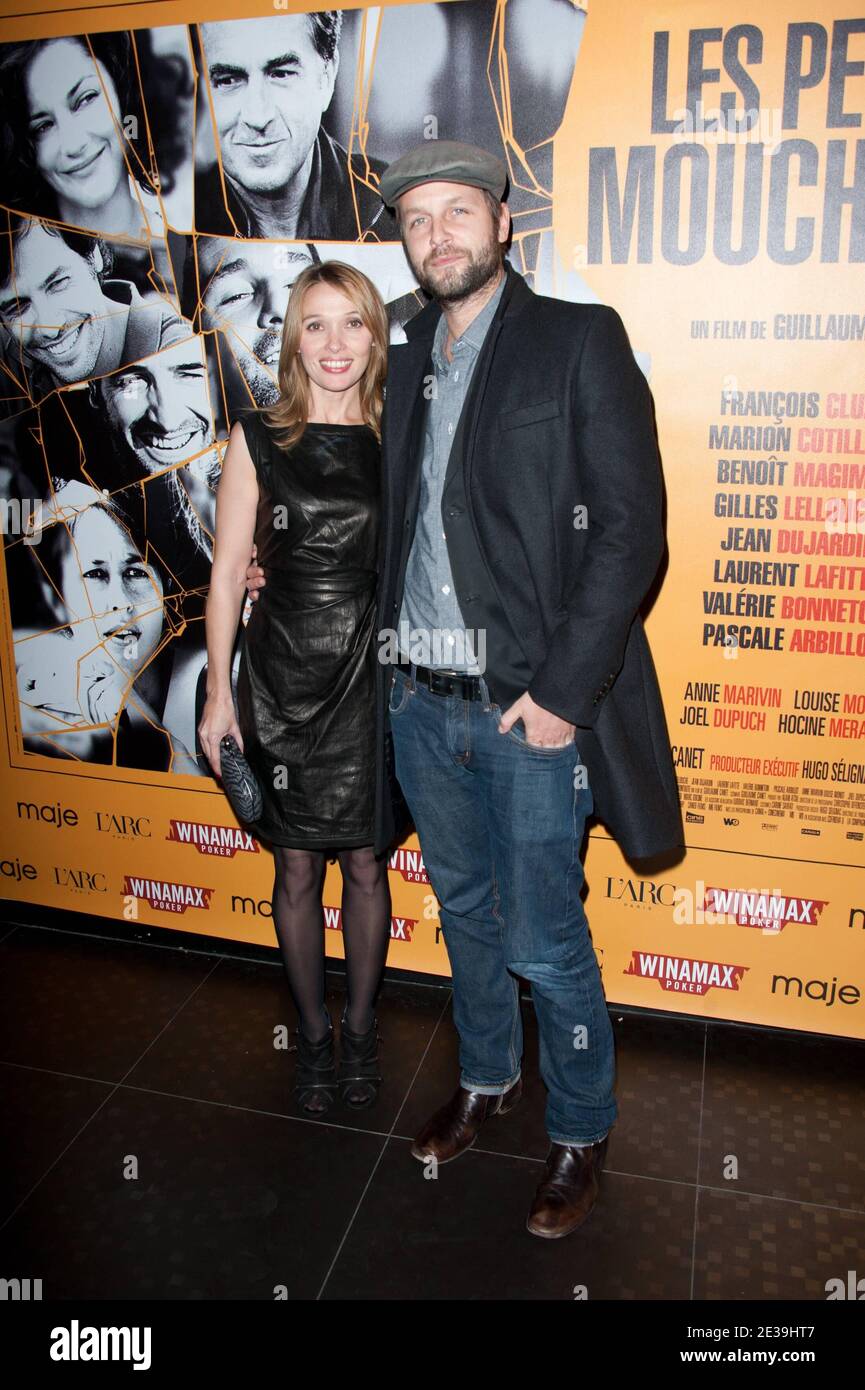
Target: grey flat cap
x=449, y=160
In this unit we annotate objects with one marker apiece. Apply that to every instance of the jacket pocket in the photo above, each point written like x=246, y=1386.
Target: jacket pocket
x=528, y=414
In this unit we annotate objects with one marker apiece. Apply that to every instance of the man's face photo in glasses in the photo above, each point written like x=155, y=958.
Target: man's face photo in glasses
x=245, y=287
x=160, y=407
x=270, y=88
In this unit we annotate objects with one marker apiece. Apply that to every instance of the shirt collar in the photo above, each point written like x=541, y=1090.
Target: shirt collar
x=476, y=331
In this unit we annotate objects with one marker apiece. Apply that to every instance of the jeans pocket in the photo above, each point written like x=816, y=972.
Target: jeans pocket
x=517, y=733
x=400, y=690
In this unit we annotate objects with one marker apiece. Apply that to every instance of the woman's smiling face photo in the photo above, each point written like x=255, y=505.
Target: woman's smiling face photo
x=74, y=118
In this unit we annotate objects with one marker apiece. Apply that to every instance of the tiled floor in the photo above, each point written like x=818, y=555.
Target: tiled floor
x=154, y=1149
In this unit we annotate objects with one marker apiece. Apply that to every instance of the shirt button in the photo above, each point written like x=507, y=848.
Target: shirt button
x=444, y=537
x=446, y=588
x=450, y=427
x=456, y=376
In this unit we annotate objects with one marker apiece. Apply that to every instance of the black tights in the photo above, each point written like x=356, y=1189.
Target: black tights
x=298, y=916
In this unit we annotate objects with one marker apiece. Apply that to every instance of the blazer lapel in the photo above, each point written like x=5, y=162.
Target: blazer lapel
x=463, y=444
x=404, y=416
x=412, y=369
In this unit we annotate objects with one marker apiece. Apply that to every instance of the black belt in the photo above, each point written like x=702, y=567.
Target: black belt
x=446, y=682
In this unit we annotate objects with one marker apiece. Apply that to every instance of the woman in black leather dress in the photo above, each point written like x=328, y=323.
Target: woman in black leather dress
x=302, y=479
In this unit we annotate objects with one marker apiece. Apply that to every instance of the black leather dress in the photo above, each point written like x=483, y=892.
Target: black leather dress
x=306, y=682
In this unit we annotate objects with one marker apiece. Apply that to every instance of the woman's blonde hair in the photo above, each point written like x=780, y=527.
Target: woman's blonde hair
x=290, y=414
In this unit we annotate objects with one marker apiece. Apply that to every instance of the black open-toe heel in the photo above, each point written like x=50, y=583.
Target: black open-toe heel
x=358, y=1073
x=315, y=1076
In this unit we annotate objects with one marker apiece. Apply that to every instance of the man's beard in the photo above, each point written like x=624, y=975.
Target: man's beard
x=264, y=389
x=259, y=377
x=465, y=279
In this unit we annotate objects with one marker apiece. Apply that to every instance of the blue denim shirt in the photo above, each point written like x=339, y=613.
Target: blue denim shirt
x=429, y=600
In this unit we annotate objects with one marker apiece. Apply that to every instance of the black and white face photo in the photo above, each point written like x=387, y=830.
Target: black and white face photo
x=64, y=316
x=73, y=127
x=97, y=133
x=271, y=86
x=94, y=669
x=244, y=293
x=158, y=410
x=279, y=153
x=53, y=312
x=156, y=416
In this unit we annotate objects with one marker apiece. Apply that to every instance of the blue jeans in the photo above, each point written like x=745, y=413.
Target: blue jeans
x=500, y=824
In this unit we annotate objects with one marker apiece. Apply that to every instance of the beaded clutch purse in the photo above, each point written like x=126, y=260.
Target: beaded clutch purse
x=240, y=782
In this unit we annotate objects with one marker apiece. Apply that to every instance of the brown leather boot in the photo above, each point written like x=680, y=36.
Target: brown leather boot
x=455, y=1127
x=568, y=1190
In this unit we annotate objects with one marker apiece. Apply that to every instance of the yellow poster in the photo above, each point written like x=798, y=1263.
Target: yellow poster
x=705, y=177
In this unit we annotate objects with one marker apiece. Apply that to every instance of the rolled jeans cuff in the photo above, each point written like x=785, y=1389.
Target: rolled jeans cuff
x=496, y=1089
x=579, y=1143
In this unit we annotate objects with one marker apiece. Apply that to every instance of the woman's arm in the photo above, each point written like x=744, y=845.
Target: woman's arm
x=236, y=506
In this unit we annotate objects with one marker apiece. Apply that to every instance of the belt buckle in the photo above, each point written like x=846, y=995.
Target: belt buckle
x=437, y=678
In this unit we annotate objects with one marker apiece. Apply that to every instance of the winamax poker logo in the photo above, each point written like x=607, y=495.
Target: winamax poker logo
x=401, y=928
x=225, y=841
x=166, y=895
x=409, y=863
x=685, y=974
x=768, y=912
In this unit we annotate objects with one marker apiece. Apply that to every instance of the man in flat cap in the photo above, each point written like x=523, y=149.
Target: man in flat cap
x=522, y=507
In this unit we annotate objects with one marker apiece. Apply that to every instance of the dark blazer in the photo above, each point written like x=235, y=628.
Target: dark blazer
x=558, y=416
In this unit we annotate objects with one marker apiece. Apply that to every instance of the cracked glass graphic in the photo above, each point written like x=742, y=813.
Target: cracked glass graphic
x=163, y=188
